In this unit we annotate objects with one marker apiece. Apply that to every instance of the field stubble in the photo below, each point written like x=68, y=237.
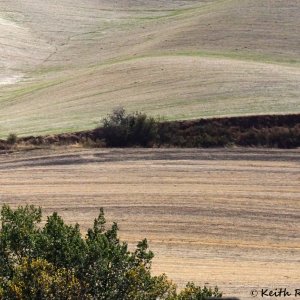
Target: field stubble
x=222, y=217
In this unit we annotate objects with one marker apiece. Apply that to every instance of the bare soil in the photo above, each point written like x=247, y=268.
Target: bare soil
x=226, y=217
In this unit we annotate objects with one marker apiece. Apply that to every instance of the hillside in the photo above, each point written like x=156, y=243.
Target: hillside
x=66, y=64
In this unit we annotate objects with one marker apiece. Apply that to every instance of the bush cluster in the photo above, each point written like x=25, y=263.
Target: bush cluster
x=122, y=130
x=56, y=262
x=12, y=139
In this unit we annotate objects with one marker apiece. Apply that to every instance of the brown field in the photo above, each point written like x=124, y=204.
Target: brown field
x=222, y=217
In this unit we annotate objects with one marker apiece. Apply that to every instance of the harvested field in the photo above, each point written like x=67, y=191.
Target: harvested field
x=222, y=217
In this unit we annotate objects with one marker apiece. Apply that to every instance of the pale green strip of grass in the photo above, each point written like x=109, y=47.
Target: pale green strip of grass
x=12, y=97
x=243, y=56
x=186, y=12
x=240, y=56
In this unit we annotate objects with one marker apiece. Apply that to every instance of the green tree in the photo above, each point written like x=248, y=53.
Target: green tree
x=18, y=236
x=56, y=262
x=61, y=244
x=193, y=292
x=37, y=279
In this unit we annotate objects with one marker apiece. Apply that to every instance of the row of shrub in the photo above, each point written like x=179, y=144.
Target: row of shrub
x=214, y=134
x=121, y=129
x=55, y=262
x=124, y=130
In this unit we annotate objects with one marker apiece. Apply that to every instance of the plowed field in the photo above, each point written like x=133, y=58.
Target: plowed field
x=223, y=217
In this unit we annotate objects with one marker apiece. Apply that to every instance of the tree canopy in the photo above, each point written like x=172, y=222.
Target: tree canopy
x=55, y=261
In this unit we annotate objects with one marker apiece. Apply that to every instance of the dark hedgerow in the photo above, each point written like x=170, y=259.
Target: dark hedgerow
x=56, y=262
x=120, y=129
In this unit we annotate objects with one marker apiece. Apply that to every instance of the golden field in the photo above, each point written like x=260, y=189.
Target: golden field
x=218, y=217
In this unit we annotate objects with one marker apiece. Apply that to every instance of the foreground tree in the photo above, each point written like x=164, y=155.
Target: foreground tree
x=38, y=279
x=56, y=262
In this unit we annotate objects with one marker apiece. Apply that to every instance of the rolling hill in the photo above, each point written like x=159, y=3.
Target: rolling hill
x=66, y=64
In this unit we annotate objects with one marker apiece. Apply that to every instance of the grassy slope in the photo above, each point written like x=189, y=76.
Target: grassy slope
x=173, y=58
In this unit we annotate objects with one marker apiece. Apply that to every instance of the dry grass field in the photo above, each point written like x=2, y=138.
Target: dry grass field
x=65, y=64
x=222, y=217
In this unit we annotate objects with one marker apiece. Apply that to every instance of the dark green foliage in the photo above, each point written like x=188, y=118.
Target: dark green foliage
x=18, y=236
x=56, y=262
x=121, y=129
x=12, y=139
x=193, y=292
x=60, y=244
